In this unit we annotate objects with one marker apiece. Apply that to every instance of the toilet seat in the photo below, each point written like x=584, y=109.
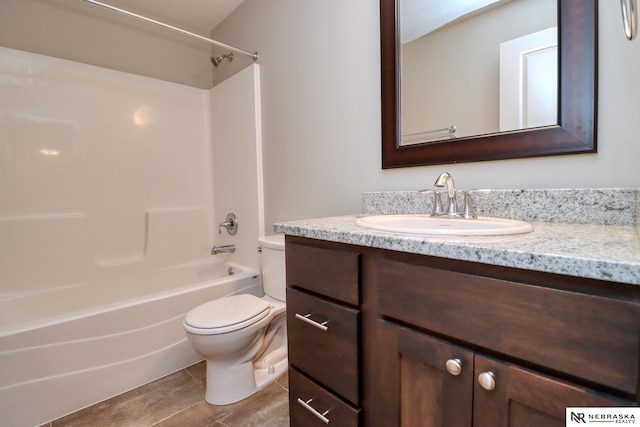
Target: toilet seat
x=226, y=314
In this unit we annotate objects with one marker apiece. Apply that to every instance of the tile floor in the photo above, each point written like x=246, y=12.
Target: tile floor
x=178, y=400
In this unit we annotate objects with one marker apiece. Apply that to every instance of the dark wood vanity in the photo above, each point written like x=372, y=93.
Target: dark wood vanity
x=324, y=284
x=415, y=340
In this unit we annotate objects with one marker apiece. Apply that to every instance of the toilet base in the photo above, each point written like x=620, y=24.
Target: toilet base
x=229, y=382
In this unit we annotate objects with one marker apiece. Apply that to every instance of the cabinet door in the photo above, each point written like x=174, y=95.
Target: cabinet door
x=522, y=398
x=433, y=381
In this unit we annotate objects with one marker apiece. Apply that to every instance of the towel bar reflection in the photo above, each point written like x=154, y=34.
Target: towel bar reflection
x=444, y=133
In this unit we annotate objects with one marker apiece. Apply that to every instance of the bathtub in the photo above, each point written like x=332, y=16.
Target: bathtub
x=68, y=348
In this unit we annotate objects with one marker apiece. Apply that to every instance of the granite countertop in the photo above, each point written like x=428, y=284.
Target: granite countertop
x=598, y=251
x=606, y=252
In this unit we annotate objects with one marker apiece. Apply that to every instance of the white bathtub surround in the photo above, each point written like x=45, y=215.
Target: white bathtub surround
x=99, y=171
x=106, y=224
x=237, y=163
x=65, y=252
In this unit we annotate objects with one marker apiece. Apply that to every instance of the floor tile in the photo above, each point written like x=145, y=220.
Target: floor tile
x=267, y=408
x=142, y=406
x=199, y=373
x=177, y=400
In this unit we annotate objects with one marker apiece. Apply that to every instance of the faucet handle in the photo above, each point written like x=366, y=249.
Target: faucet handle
x=230, y=223
x=468, y=210
x=473, y=208
x=437, y=202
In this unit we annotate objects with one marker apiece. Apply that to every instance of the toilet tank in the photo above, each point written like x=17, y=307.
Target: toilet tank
x=273, y=265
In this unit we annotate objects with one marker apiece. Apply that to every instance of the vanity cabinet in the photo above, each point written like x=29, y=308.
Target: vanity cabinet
x=323, y=323
x=444, y=384
x=440, y=342
x=467, y=344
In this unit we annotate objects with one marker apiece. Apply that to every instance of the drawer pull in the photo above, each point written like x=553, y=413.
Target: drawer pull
x=454, y=366
x=320, y=416
x=487, y=380
x=307, y=318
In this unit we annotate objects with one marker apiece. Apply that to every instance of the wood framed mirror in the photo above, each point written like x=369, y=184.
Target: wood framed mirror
x=575, y=131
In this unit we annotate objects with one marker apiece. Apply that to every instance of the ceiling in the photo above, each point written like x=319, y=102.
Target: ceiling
x=193, y=15
x=420, y=17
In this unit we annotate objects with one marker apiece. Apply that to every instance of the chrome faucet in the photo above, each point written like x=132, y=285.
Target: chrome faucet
x=223, y=249
x=446, y=180
x=230, y=223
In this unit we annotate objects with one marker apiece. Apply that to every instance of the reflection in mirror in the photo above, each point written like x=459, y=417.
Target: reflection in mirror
x=558, y=117
x=476, y=67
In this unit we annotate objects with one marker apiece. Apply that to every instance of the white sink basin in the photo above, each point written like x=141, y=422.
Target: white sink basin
x=425, y=224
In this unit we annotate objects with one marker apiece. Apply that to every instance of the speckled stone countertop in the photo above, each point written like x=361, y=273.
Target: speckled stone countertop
x=606, y=249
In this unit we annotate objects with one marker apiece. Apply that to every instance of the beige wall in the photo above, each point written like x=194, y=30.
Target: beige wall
x=92, y=35
x=321, y=122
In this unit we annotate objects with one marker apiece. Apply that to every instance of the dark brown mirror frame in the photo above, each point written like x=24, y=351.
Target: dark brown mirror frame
x=576, y=132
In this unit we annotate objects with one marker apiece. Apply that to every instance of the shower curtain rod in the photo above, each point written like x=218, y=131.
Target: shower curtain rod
x=171, y=27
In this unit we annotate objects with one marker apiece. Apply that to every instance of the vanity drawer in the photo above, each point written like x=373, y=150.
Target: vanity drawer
x=588, y=336
x=330, y=356
x=303, y=414
x=328, y=272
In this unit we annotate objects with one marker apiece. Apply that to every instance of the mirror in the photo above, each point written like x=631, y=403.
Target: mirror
x=569, y=128
x=499, y=56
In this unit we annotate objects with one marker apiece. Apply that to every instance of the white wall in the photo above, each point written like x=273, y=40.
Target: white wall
x=321, y=119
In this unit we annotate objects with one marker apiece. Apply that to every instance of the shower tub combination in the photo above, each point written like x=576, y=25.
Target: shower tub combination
x=68, y=348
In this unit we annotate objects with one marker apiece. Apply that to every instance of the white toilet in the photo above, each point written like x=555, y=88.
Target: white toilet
x=242, y=337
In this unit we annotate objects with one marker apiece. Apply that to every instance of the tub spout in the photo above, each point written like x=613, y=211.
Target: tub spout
x=223, y=249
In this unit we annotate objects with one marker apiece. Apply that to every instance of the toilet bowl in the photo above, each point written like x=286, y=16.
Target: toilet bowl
x=243, y=337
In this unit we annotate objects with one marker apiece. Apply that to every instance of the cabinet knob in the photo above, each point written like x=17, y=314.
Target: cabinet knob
x=454, y=366
x=487, y=380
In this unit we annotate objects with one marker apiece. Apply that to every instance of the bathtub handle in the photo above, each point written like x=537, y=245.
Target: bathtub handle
x=230, y=223
x=307, y=318
x=320, y=416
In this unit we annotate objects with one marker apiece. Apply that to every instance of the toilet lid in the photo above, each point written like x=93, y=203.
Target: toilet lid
x=225, y=312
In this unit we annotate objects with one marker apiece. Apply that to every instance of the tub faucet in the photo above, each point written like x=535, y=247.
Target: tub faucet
x=223, y=249
x=446, y=180
x=230, y=223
